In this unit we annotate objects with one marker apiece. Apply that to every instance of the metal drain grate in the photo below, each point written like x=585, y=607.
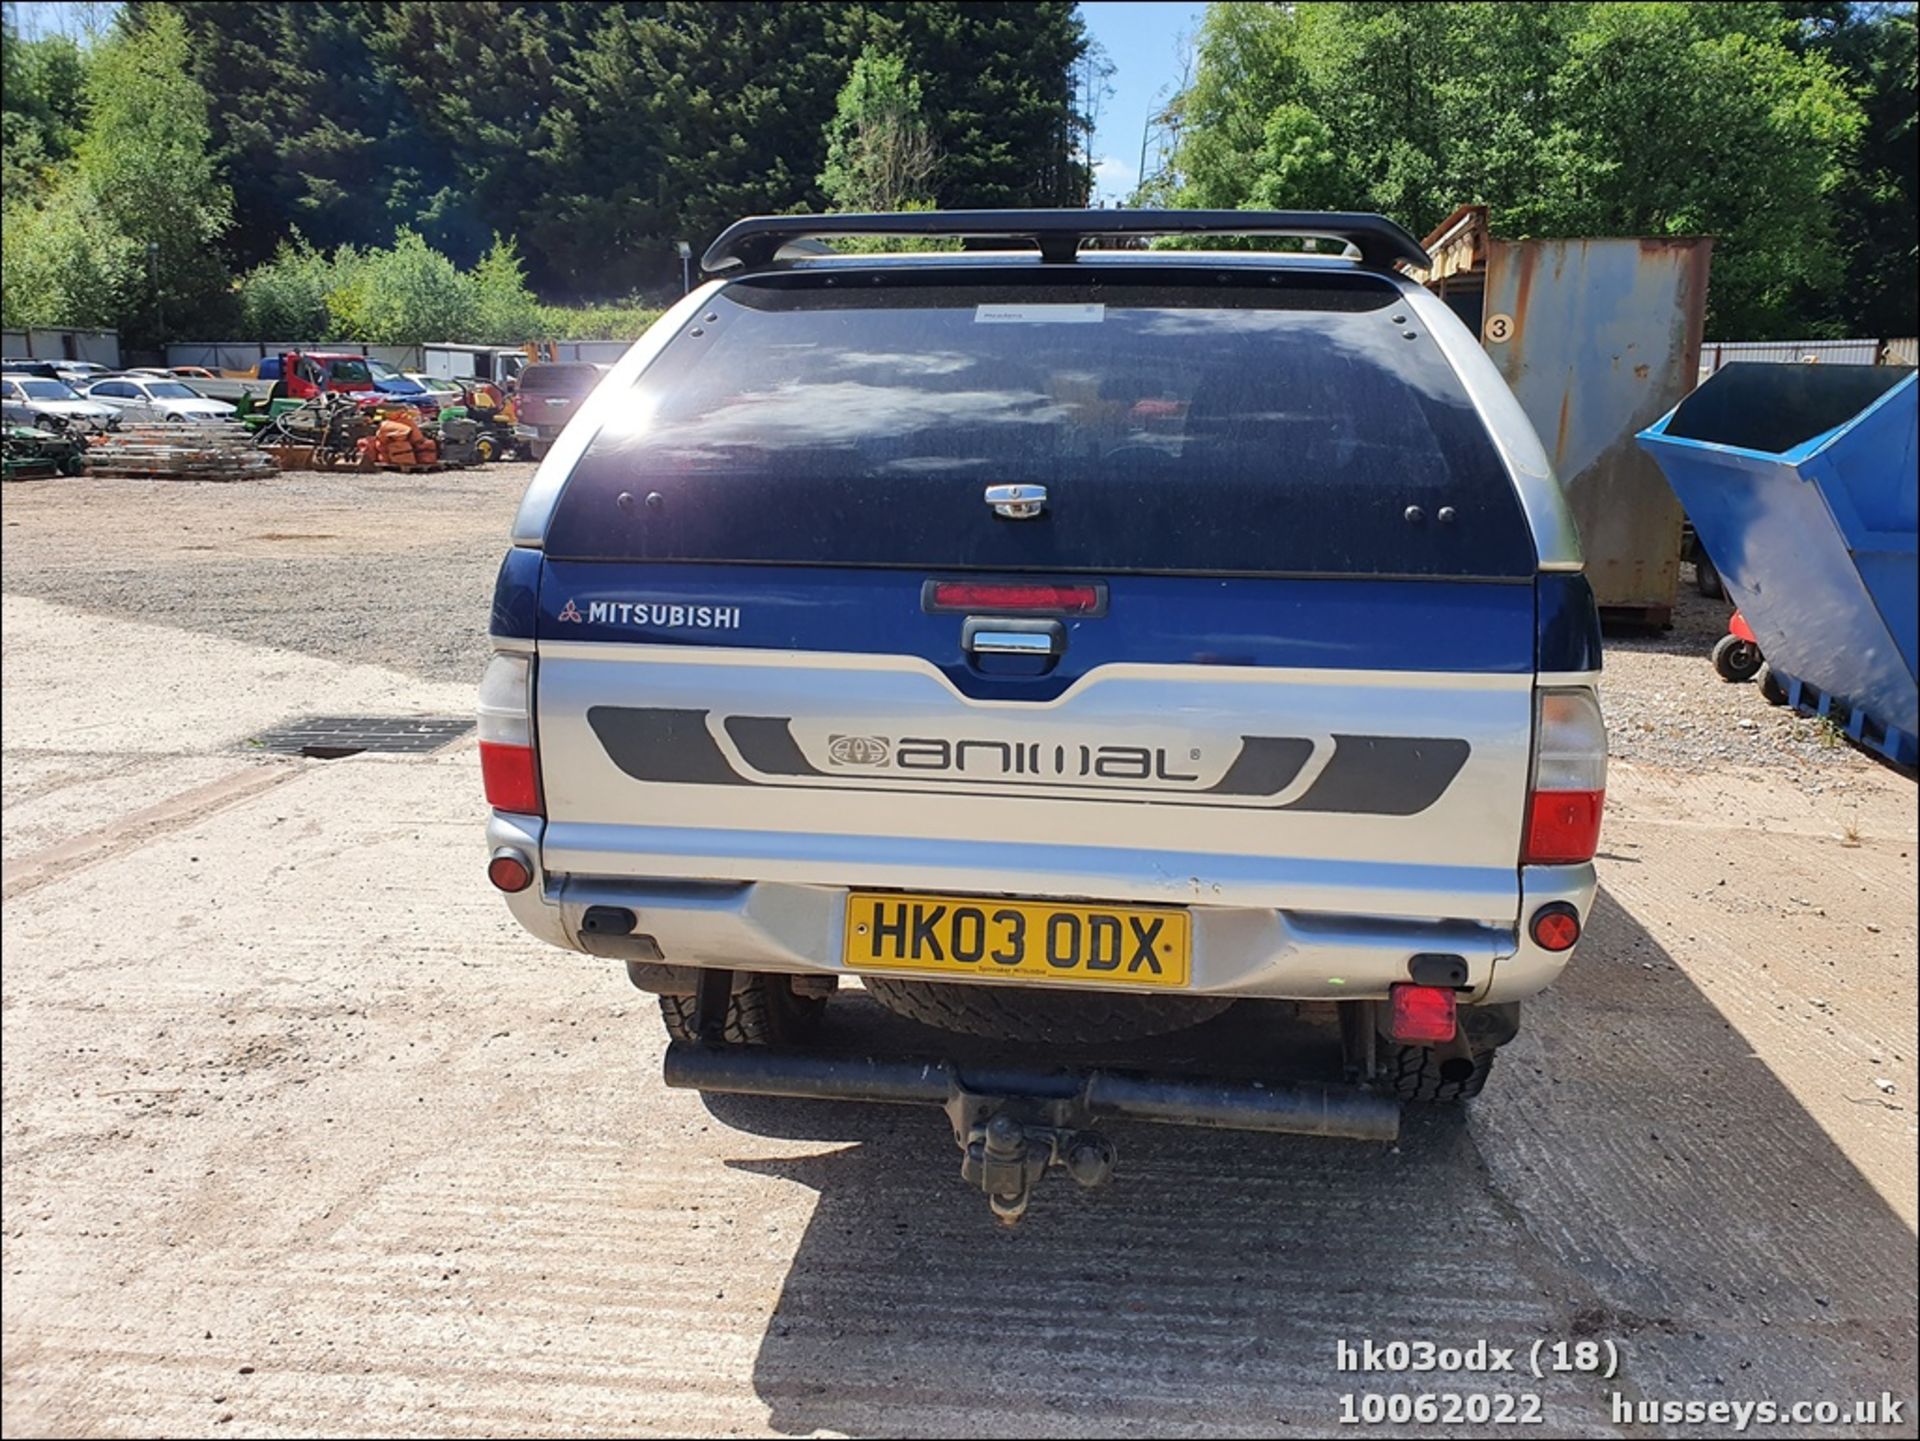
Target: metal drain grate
x=328, y=737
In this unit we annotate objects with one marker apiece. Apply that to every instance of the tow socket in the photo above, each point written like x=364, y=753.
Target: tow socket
x=1014, y=1124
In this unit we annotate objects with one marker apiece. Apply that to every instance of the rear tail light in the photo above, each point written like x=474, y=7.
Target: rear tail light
x=1015, y=597
x=509, y=767
x=1569, y=788
x=1421, y=1015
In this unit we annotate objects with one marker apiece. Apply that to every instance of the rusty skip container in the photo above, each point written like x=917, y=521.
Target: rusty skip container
x=1597, y=338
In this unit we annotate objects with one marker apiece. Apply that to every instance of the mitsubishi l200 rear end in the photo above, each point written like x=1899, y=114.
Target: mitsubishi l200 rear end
x=1066, y=646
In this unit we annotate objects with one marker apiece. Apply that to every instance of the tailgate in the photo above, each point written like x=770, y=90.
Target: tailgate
x=1256, y=628
x=1298, y=754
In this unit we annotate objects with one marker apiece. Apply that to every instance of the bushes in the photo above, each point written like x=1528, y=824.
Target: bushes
x=287, y=296
x=113, y=207
x=64, y=262
x=410, y=293
x=595, y=322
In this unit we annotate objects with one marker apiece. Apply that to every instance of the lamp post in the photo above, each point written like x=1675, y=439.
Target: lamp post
x=153, y=278
x=685, y=252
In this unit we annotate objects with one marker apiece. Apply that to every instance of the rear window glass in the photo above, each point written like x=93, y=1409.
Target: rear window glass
x=1278, y=423
x=560, y=379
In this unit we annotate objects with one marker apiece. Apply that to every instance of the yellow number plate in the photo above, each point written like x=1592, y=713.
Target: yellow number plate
x=1033, y=940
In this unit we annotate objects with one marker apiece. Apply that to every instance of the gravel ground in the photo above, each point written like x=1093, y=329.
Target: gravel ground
x=1665, y=705
x=398, y=571
x=384, y=569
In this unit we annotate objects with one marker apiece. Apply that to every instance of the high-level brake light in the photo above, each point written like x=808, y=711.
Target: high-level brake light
x=1015, y=597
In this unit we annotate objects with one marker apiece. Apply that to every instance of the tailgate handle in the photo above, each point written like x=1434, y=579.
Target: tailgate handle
x=1011, y=642
x=992, y=635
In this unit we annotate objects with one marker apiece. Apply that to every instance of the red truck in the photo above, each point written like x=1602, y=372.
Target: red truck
x=294, y=375
x=303, y=374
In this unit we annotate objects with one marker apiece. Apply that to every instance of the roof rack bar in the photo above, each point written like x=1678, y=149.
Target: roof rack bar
x=752, y=244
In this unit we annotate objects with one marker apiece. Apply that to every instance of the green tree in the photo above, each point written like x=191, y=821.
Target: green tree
x=1298, y=166
x=505, y=312
x=880, y=153
x=40, y=110
x=144, y=156
x=997, y=85
x=1878, y=201
x=1572, y=119
x=314, y=125
x=408, y=293
x=1670, y=120
x=64, y=262
x=285, y=298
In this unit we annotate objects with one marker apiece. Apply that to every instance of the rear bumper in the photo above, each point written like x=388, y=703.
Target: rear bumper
x=1333, y=943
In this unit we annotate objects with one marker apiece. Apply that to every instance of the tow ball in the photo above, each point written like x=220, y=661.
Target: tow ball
x=1005, y=1157
x=1013, y=1124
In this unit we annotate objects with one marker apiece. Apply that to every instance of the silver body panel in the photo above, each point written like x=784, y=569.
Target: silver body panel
x=1238, y=949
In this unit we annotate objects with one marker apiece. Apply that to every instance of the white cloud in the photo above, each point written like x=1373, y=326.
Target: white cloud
x=1114, y=178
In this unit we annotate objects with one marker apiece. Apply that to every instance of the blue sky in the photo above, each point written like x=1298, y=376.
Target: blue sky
x=1142, y=39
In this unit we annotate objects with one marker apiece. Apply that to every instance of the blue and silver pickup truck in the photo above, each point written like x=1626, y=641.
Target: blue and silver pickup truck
x=1069, y=640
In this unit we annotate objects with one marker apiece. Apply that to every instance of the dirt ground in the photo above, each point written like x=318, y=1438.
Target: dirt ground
x=303, y=1136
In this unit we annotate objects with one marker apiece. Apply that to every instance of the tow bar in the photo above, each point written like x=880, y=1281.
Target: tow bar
x=1013, y=1124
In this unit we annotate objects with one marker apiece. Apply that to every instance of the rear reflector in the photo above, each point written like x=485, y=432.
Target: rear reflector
x=509, y=870
x=1422, y=1015
x=1017, y=597
x=1563, y=827
x=1556, y=926
x=511, y=779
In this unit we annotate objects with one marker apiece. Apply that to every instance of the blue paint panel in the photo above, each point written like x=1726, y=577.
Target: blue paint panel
x=1333, y=624
x=516, y=595
x=1569, y=634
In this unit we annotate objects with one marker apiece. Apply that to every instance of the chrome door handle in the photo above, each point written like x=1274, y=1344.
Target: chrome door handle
x=1011, y=642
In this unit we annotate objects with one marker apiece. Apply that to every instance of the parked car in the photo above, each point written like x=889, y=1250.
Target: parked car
x=156, y=397
x=81, y=373
x=192, y=372
x=1071, y=646
x=444, y=391
x=547, y=397
x=26, y=366
x=36, y=400
x=396, y=388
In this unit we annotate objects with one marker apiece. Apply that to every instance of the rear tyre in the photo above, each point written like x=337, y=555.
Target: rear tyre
x=1418, y=1074
x=763, y=1011
x=1735, y=659
x=1025, y=1013
x=1771, y=689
